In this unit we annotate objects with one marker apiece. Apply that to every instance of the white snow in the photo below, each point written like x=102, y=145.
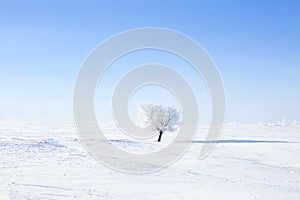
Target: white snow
x=251, y=161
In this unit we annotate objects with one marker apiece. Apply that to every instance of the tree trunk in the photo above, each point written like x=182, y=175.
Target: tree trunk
x=160, y=133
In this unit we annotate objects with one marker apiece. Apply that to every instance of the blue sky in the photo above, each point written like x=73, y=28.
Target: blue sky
x=255, y=45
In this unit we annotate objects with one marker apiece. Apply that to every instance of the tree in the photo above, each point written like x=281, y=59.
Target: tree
x=159, y=118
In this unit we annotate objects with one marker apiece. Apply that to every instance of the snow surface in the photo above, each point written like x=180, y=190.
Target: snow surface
x=251, y=161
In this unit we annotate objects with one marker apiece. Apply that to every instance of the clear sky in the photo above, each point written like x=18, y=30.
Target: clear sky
x=255, y=45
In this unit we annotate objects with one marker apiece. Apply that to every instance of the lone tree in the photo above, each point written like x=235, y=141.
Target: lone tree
x=159, y=118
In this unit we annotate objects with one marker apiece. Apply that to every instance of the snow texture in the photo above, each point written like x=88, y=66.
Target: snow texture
x=250, y=161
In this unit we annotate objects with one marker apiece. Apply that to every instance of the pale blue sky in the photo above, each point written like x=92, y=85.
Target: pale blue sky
x=255, y=45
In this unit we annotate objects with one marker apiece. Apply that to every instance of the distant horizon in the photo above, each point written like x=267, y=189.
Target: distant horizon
x=281, y=122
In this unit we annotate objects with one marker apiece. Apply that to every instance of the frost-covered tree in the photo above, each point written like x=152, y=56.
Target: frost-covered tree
x=159, y=118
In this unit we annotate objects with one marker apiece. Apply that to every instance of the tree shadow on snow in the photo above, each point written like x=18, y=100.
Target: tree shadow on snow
x=240, y=141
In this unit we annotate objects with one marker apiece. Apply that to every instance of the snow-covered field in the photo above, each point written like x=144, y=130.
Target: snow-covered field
x=47, y=161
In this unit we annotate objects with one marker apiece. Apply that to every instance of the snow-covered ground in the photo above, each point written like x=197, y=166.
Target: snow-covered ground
x=47, y=161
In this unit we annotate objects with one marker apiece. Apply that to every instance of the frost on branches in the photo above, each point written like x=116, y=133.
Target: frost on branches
x=159, y=118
